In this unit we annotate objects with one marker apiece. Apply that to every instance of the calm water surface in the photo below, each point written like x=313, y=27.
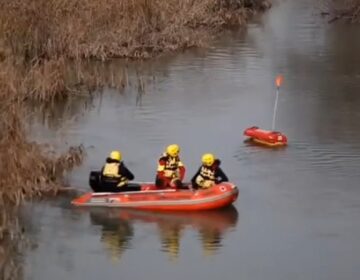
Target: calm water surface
x=297, y=216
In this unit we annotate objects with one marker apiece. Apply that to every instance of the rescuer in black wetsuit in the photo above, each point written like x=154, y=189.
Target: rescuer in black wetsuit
x=115, y=176
x=209, y=173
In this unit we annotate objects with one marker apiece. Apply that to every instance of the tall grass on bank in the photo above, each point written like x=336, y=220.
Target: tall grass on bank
x=48, y=81
x=115, y=28
x=28, y=169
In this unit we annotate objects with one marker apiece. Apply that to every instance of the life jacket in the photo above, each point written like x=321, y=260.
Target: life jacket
x=111, y=171
x=171, y=166
x=206, y=178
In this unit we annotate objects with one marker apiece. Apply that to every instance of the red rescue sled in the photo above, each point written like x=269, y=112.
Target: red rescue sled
x=218, y=196
x=266, y=137
x=269, y=138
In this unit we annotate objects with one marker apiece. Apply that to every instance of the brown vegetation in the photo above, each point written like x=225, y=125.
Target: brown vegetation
x=53, y=80
x=27, y=168
x=115, y=28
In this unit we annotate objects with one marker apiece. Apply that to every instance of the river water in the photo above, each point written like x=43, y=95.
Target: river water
x=297, y=216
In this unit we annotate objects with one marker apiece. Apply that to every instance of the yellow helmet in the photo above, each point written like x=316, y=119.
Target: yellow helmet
x=208, y=159
x=116, y=155
x=173, y=150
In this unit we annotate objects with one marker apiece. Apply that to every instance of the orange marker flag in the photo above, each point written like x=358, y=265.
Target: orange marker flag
x=278, y=81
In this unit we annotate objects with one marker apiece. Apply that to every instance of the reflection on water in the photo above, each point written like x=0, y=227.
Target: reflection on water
x=170, y=234
x=116, y=233
x=117, y=230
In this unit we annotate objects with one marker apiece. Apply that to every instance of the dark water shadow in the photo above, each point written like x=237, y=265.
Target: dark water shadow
x=118, y=230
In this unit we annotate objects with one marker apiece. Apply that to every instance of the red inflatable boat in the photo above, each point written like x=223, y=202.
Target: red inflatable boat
x=266, y=137
x=218, y=196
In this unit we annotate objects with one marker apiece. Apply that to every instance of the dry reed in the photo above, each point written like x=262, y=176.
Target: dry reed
x=54, y=80
x=115, y=28
x=27, y=169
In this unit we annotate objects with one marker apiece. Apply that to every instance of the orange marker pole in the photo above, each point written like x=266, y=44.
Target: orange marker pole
x=278, y=82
